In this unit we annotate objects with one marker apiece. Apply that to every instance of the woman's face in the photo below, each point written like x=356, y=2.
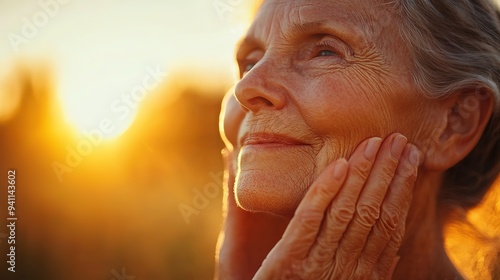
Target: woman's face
x=318, y=77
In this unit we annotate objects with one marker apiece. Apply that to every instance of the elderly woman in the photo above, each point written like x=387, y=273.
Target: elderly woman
x=356, y=127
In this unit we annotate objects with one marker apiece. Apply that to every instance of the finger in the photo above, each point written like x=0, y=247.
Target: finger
x=305, y=224
x=340, y=210
x=394, y=212
x=368, y=206
x=396, y=199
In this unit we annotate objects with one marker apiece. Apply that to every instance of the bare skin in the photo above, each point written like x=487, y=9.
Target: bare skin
x=323, y=187
x=250, y=237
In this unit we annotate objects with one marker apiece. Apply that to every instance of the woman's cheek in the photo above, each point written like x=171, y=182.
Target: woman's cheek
x=232, y=116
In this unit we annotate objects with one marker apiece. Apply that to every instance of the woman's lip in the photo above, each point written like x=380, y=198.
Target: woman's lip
x=269, y=138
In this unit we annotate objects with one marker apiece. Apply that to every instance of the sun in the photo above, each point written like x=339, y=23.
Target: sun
x=91, y=104
x=88, y=120
x=106, y=69
x=108, y=101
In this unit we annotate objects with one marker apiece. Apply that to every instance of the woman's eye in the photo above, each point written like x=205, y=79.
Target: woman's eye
x=248, y=67
x=326, y=53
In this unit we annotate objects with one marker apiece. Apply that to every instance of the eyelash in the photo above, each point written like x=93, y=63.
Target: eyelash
x=247, y=66
x=324, y=46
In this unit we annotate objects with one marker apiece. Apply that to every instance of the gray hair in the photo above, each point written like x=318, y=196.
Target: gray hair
x=455, y=46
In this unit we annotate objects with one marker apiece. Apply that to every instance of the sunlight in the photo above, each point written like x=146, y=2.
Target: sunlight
x=109, y=62
x=84, y=115
x=113, y=96
x=119, y=82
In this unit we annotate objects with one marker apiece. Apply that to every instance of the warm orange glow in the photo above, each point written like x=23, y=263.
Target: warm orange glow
x=472, y=239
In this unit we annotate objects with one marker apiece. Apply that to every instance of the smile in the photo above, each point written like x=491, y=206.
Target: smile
x=269, y=139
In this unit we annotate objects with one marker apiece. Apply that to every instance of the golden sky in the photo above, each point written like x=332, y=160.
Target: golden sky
x=103, y=51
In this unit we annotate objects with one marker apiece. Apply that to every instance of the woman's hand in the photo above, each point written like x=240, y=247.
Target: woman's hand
x=351, y=222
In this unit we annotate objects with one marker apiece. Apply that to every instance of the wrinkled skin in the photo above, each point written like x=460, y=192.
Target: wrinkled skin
x=328, y=88
x=319, y=184
x=312, y=246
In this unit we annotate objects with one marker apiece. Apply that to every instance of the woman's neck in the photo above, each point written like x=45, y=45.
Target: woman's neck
x=422, y=252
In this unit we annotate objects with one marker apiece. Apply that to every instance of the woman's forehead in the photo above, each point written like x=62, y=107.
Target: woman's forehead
x=355, y=20
x=359, y=9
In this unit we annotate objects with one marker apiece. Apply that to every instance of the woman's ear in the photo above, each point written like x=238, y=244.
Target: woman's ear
x=460, y=126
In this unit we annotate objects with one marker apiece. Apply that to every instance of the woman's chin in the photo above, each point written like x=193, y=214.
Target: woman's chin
x=273, y=179
x=259, y=191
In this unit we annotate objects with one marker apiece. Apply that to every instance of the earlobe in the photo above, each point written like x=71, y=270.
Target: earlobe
x=464, y=119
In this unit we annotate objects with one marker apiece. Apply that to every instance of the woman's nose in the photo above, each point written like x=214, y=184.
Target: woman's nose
x=260, y=89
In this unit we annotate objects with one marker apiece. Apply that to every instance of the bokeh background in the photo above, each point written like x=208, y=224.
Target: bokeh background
x=109, y=115
x=99, y=202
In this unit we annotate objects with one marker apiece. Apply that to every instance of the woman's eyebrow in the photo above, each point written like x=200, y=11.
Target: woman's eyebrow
x=300, y=29
x=305, y=28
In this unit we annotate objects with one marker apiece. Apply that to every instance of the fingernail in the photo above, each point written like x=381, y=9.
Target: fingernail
x=339, y=170
x=398, y=144
x=372, y=148
x=414, y=156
